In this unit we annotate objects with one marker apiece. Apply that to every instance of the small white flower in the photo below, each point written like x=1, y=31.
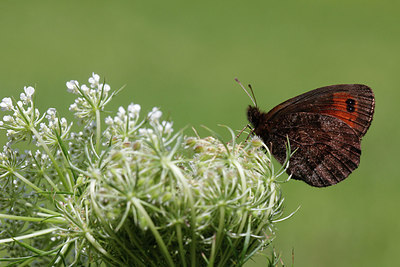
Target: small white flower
x=29, y=91
x=53, y=123
x=133, y=110
x=6, y=104
x=94, y=80
x=11, y=132
x=8, y=118
x=109, y=121
x=44, y=129
x=118, y=121
x=72, y=86
x=51, y=111
x=27, y=96
x=155, y=114
x=63, y=122
x=51, y=114
x=167, y=127
x=144, y=131
x=85, y=89
x=121, y=112
x=73, y=107
x=107, y=88
x=23, y=97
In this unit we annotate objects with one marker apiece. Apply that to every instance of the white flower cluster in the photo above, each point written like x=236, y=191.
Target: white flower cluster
x=144, y=177
x=24, y=116
x=91, y=99
x=10, y=159
x=55, y=125
x=126, y=124
x=154, y=115
x=38, y=163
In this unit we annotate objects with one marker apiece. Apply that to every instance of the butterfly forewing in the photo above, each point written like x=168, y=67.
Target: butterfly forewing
x=352, y=103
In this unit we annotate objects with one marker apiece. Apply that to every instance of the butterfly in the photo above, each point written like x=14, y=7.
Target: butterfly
x=324, y=128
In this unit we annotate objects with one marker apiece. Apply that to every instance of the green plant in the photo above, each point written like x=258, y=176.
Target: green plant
x=133, y=194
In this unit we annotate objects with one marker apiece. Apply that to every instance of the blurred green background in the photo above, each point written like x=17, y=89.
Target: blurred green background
x=183, y=57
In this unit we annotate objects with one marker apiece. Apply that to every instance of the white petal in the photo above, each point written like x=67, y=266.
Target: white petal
x=29, y=91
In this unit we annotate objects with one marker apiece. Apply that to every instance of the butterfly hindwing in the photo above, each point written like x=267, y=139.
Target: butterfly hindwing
x=326, y=150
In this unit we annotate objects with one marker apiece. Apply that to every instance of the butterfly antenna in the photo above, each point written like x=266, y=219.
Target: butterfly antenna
x=244, y=89
x=252, y=93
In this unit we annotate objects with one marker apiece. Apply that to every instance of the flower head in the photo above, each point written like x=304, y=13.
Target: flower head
x=27, y=96
x=6, y=104
x=72, y=86
x=90, y=99
x=94, y=80
x=133, y=110
x=154, y=115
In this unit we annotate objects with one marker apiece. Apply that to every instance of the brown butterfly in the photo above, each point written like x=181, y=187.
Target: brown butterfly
x=324, y=128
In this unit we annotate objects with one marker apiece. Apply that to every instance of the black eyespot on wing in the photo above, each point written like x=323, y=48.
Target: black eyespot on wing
x=350, y=107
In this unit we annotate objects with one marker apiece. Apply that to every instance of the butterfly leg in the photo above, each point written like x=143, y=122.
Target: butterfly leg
x=241, y=131
x=251, y=132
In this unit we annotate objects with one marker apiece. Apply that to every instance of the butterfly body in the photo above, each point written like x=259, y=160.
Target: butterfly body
x=324, y=128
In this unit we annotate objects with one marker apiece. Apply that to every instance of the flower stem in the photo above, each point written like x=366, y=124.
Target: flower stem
x=188, y=192
x=98, y=130
x=66, y=184
x=31, y=219
x=153, y=229
x=180, y=238
x=34, y=234
x=99, y=248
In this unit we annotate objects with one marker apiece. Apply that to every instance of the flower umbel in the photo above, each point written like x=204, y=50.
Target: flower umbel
x=24, y=119
x=135, y=193
x=91, y=99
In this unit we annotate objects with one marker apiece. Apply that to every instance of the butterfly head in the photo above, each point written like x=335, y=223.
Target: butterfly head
x=254, y=116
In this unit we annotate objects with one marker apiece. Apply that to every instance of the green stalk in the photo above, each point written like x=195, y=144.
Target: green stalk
x=98, y=131
x=188, y=192
x=212, y=256
x=34, y=234
x=32, y=219
x=100, y=249
x=220, y=231
x=67, y=185
x=239, y=168
x=136, y=244
x=103, y=220
x=179, y=237
x=26, y=181
x=221, y=224
x=153, y=229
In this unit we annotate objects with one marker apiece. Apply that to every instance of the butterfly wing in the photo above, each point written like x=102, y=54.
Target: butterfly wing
x=353, y=104
x=326, y=150
x=324, y=126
